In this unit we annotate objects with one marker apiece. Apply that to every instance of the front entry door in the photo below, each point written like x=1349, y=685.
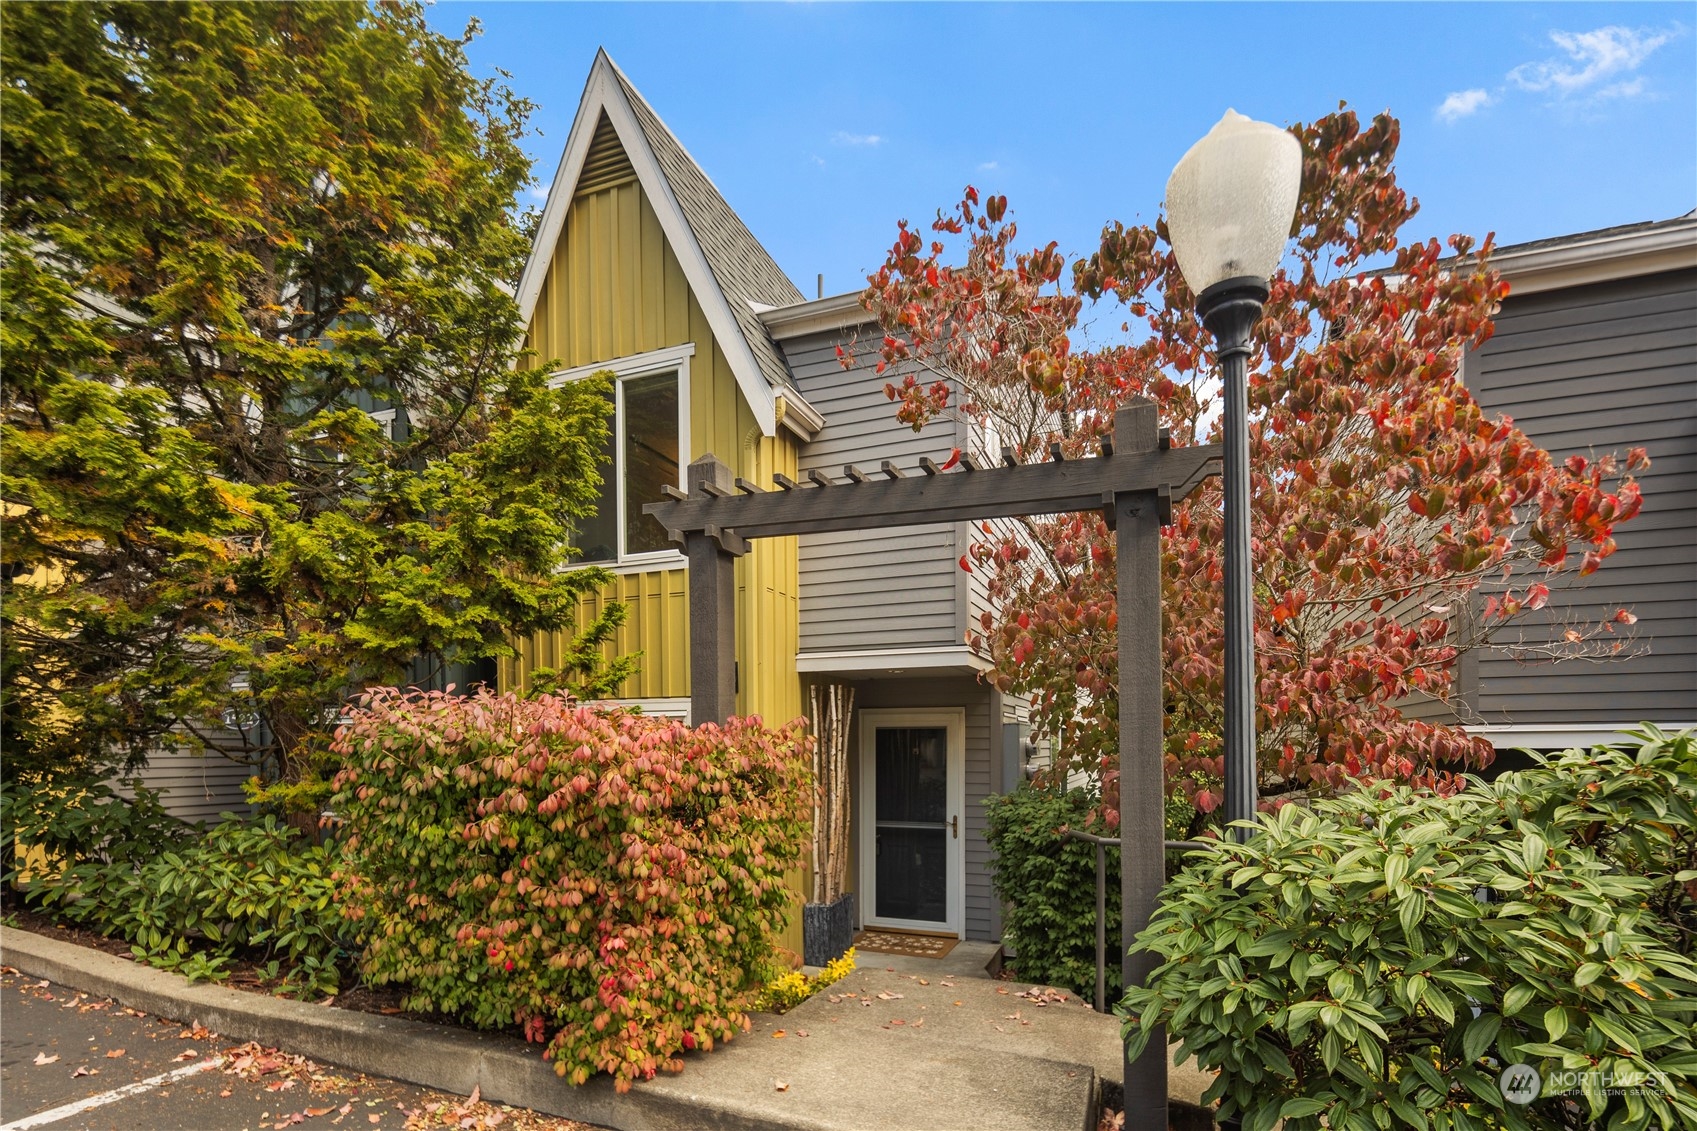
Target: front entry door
x=912, y=797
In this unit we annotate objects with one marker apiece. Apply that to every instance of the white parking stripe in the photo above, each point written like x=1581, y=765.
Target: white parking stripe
x=54, y=1115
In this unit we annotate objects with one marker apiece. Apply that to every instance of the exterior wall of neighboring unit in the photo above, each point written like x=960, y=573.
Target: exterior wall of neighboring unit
x=1589, y=370
x=614, y=289
x=195, y=786
x=870, y=590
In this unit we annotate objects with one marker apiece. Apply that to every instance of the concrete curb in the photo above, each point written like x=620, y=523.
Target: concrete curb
x=434, y=1056
x=734, y=1095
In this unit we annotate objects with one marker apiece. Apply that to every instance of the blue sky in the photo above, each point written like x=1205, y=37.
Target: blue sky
x=824, y=123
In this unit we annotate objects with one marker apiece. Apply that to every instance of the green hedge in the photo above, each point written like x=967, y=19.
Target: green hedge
x=1047, y=884
x=1380, y=959
x=186, y=899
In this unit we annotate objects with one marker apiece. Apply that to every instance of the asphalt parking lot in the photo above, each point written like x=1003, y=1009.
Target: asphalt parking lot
x=69, y=1062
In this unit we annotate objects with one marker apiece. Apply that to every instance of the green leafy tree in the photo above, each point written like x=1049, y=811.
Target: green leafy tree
x=266, y=439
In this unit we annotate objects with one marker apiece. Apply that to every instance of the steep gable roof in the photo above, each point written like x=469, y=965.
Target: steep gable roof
x=725, y=265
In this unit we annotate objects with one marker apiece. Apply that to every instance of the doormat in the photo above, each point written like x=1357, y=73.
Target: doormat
x=900, y=942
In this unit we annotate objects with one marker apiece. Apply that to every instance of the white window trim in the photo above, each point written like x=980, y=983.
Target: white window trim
x=668, y=360
x=665, y=708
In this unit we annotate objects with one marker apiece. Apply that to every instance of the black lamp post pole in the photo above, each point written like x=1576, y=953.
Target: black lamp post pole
x=1230, y=310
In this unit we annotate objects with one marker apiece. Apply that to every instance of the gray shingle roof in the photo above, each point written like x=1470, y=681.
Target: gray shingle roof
x=743, y=268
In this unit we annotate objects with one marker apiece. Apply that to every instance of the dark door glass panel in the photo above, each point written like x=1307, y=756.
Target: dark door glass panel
x=911, y=814
x=651, y=456
x=597, y=536
x=913, y=774
x=913, y=874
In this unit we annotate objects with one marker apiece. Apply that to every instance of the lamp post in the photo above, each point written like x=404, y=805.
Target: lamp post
x=1230, y=202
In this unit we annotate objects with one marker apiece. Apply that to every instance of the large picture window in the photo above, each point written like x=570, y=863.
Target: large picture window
x=647, y=447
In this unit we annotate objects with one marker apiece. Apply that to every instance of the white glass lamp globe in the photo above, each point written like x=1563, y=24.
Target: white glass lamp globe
x=1230, y=201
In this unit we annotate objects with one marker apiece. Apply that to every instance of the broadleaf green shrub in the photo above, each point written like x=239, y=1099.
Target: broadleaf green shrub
x=1047, y=884
x=1378, y=960
x=89, y=843
x=186, y=899
x=611, y=881
x=250, y=889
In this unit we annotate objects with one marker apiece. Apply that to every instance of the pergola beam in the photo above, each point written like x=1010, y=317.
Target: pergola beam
x=1059, y=487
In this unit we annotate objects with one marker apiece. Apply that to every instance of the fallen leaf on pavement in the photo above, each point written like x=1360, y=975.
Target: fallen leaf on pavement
x=780, y=1085
x=374, y=1117
x=957, y=1003
x=225, y=1094
x=885, y=995
x=777, y=1033
x=918, y=1023
x=114, y=1054
x=951, y=985
x=315, y=1112
x=923, y=982
x=801, y=1032
x=833, y=998
x=43, y=1058
x=186, y=1054
x=345, y=1108
x=897, y=1021
x=866, y=1002
x=1001, y=989
x=85, y=1070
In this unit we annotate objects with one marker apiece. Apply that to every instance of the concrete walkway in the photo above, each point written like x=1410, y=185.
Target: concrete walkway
x=905, y=1051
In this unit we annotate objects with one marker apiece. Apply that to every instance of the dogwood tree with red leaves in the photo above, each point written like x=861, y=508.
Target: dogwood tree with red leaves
x=1384, y=497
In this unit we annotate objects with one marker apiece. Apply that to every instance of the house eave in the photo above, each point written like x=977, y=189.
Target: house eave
x=1599, y=257
x=836, y=312
x=936, y=661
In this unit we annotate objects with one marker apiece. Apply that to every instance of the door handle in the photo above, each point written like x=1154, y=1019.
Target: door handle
x=954, y=825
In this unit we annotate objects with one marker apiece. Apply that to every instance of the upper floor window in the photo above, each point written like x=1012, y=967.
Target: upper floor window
x=647, y=448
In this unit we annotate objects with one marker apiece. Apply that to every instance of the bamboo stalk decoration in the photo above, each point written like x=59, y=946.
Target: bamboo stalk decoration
x=832, y=705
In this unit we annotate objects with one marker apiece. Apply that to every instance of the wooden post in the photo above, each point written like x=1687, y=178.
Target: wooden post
x=1142, y=725
x=712, y=607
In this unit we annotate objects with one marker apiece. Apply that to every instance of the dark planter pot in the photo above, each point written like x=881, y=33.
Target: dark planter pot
x=827, y=930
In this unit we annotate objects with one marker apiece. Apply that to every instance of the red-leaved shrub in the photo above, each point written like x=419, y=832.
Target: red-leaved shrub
x=614, y=880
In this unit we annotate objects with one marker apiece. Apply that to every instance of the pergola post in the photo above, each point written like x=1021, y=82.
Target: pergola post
x=1138, y=517
x=712, y=606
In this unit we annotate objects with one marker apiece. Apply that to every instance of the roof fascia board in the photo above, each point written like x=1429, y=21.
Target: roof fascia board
x=839, y=312
x=560, y=193
x=1600, y=260
x=605, y=94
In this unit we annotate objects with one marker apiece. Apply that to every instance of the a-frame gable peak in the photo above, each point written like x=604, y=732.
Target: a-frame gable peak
x=604, y=96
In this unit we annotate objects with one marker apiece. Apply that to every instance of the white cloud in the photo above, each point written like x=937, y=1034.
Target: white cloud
x=1629, y=89
x=817, y=160
x=1463, y=103
x=540, y=192
x=989, y=167
x=843, y=137
x=1592, y=57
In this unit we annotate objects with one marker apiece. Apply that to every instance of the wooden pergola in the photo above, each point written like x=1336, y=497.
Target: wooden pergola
x=1133, y=482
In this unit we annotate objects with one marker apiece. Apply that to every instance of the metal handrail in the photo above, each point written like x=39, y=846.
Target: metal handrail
x=1102, y=844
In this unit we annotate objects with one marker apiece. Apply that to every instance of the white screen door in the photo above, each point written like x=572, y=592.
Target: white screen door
x=912, y=797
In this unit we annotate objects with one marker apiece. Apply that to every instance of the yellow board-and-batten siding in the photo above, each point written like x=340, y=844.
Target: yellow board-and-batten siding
x=614, y=289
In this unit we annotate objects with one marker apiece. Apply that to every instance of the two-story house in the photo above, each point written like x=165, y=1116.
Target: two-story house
x=641, y=267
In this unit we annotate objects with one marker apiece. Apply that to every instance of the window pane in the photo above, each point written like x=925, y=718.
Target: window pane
x=651, y=456
x=597, y=536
